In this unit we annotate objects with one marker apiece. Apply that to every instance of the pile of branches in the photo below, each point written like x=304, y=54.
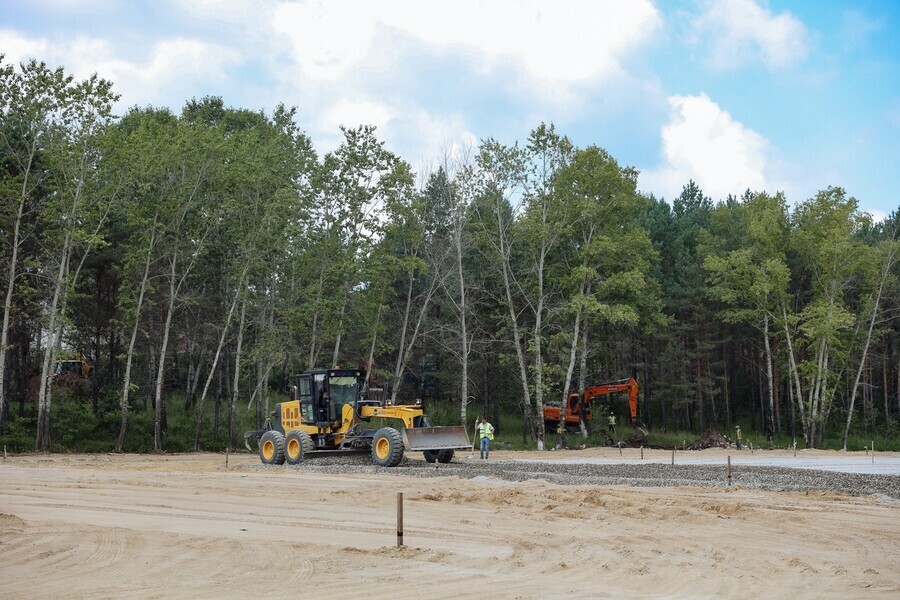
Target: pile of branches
x=711, y=439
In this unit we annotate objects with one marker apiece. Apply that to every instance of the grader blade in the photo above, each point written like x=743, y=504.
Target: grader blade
x=436, y=438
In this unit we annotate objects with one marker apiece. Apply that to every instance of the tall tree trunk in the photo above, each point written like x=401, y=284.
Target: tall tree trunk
x=337, y=341
x=582, y=380
x=886, y=268
x=42, y=441
x=371, y=358
x=726, y=383
x=217, y=404
x=159, y=398
x=463, y=331
x=698, y=378
x=201, y=403
x=404, y=349
x=126, y=386
x=7, y=303
x=770, y=385
x=538, y=352
x=885, y=394
x=503, y=251
x=570, y=370
x=232, y=409
x=794, y=375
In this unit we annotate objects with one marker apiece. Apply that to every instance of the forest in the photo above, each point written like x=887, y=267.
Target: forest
x=196, y=261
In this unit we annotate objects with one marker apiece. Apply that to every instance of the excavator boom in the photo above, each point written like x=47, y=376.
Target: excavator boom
x=583, y=403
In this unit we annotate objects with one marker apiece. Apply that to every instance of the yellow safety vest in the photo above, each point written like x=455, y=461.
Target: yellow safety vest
x=486, y=430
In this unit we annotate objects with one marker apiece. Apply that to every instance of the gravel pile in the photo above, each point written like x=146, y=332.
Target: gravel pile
x=645, y=475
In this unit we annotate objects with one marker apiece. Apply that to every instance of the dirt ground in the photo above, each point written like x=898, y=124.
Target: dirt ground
x=187, y=526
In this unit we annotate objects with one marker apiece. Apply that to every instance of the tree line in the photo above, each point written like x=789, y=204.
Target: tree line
x=209, y=255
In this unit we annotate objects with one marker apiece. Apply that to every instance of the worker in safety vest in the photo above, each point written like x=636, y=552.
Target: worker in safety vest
x=737, y=436
x=485, y=434
x=612, y=424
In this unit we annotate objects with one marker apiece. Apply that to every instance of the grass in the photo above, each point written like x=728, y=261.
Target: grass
x=75, y=427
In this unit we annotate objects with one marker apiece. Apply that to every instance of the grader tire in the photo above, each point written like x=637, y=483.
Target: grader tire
x=271, y=448
x=387, y=447
x=430, y=455
x=297, y=446
x=444, y=456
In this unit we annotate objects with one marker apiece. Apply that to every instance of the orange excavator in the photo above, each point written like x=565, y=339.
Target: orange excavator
x=578, y=404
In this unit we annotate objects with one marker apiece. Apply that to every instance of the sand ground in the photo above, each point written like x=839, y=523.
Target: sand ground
x=187, y=526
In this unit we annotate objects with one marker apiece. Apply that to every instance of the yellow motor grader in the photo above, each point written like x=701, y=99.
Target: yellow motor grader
x=328, y=412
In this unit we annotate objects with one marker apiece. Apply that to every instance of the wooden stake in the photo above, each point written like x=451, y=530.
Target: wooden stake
x=399, y=519
x=873, y=452
x=729, y=470
x=673, y=456
x=642, y=453
x=226, y=457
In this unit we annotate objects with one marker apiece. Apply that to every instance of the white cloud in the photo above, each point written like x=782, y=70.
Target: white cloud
x=352, y=113
x=424, y=135
x=246, y=12
x=173, y=66
x=704, y=143
x=17, y=48
x=857, y=29
x=737, y=32
x=562, y=42
x=441, y=135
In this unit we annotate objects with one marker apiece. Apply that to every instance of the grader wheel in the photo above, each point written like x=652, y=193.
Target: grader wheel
x=387, y=447
x=271, y=448
x=444, y=456
x=297, y=446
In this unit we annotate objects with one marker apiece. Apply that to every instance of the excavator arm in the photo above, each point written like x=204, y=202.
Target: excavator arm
x=626, y=385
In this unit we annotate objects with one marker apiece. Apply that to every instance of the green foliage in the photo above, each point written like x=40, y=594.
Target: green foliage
x=251, y=248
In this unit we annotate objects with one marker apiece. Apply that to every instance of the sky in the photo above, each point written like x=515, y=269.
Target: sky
x=734, y=94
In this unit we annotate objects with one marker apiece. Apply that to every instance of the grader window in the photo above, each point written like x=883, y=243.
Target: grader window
x=343, y=391
x=306, y=401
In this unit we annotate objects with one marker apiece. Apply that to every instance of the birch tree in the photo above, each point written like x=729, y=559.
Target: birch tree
x=64, y=118
x=539, y=230
x=190, y=155
x=48, y=135
x=608, y=253
x=502, y=173
x=823, y=239
x=888, y=253
x=752, y=278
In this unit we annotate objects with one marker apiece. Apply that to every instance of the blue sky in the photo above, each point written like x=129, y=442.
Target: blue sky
x=736, y=94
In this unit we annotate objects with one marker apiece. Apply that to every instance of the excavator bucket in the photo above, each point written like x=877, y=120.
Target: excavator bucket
x=639, y=434
x=436, y=438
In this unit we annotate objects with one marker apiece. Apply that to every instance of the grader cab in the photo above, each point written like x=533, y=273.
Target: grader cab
x=329, y=411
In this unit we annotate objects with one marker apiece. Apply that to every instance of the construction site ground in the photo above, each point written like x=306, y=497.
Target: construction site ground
x=595, y=523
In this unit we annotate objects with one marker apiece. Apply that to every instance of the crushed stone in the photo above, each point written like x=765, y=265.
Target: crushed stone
x=644, y=475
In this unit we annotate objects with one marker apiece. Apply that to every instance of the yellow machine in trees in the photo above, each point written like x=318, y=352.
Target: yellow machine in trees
x=329, y=411
x=79, y=366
